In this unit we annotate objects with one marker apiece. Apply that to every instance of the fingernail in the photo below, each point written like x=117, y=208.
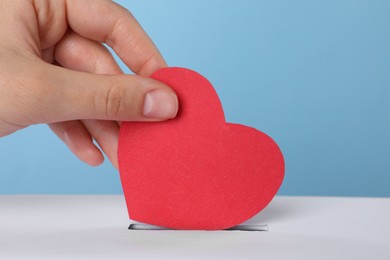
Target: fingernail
x=161, y=104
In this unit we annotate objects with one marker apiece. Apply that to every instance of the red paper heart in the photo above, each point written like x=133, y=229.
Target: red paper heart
x=196, y=171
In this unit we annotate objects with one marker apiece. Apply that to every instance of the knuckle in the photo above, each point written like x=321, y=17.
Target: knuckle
x=113, y=101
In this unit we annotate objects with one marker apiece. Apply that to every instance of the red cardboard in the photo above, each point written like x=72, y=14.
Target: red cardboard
x=196, y=171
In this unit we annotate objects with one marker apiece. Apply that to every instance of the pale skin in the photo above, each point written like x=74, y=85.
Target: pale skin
x=54, y=69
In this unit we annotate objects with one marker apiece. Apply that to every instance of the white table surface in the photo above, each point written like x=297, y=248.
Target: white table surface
x=95, y=227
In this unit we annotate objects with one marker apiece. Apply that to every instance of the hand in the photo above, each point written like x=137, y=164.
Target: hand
x=51, y=53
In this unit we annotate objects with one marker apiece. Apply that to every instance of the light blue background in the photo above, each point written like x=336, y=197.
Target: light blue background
x=314, y=75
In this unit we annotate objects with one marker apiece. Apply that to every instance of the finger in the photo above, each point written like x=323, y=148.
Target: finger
x=105, y=21
x=78, y=53
x=69, y=95
x=106, y=134
x=81, y=54
x=78, y=140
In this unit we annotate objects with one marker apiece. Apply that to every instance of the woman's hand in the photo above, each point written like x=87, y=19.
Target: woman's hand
x=50, y=54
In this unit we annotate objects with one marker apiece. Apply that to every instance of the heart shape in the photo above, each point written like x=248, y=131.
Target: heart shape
x=196, y=171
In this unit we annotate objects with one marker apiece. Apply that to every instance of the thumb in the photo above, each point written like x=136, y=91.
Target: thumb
x=79, y=95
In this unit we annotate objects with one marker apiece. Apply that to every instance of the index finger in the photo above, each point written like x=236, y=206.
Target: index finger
x=108, y=22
